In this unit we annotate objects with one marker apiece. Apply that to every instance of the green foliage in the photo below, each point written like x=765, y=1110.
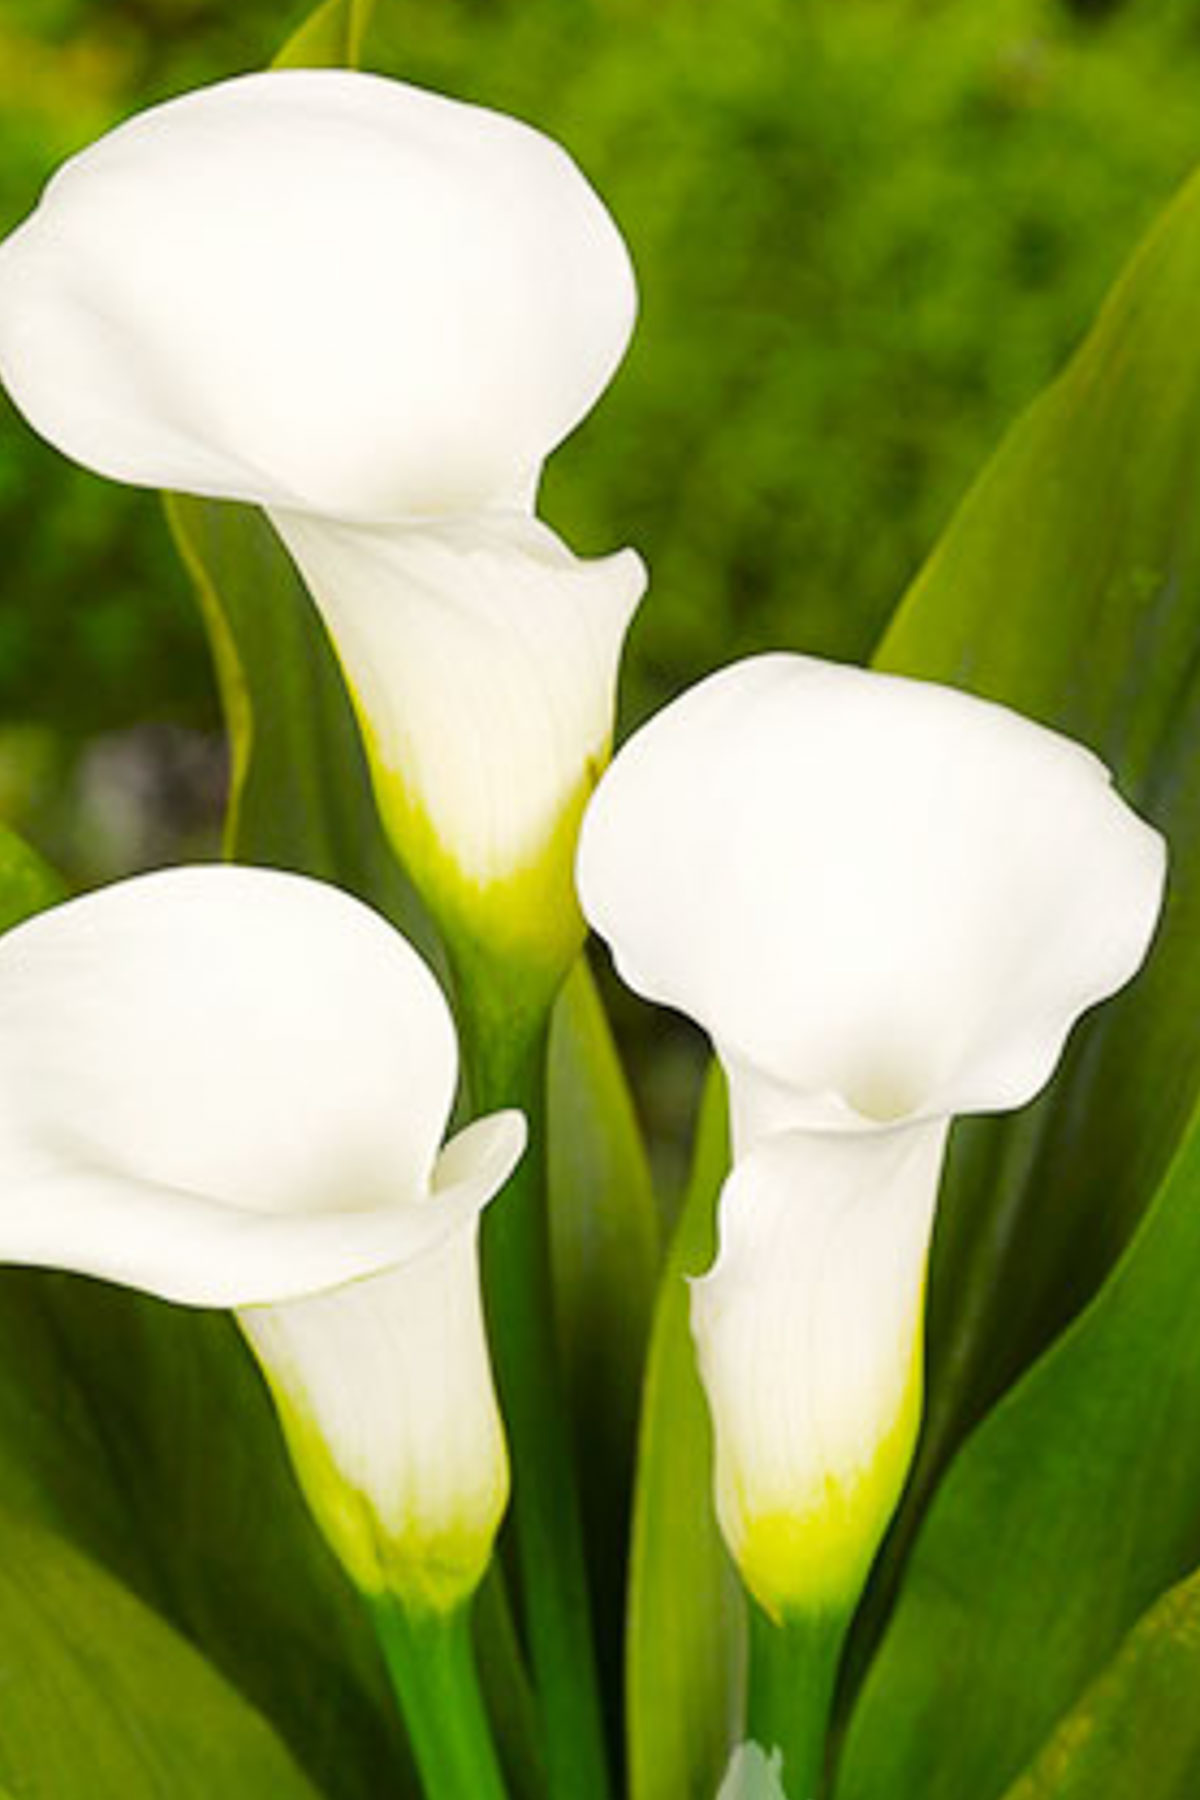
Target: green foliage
x=300, y=795
x=1073, y=1507
x=95, y=629
x=1068, y=585
x=605, y=1252
x=685, y=1636
x=851, y=281
x=1069, y=541
x=332, y=36
x=1135, y=1731
x=26, y=884
x=175, y=1484
x=146, y=1714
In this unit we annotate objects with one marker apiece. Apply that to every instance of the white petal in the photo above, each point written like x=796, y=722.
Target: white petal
x=482, y=657
x=225, y=1086
x=384, y=1389
x=318, y=289
x=885, y=898
x=808, y=1335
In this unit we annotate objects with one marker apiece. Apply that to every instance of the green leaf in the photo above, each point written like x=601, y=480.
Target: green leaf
x=686, y=1631
x=27, y=884
x=103, y=1702
x=1071, y=1508
x=300, y=794
x=1068, y=585
x=605, y=1250
x=174, y=1473
x=331, y=37
x=1137, y=1729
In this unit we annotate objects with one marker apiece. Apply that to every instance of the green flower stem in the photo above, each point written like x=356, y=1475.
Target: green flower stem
x=431, y=1661
x=506, y=1066
x=793, y=1668
x=505, y=1681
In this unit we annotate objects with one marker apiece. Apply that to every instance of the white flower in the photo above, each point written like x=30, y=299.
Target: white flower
x=320, y=290
x=373, y=311
x=228, y=1087
x=887, y=903
x=482, y=657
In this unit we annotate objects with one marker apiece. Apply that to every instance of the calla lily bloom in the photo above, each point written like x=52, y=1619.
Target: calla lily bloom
x=228, y=1087
x=374, y=312
x=887, y=903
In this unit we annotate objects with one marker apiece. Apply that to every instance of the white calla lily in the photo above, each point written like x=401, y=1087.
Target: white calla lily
x=374, y=312
x=228, y=1087
x=316, y=289
x=808, y=1337
x=887, y=903
x=482, y=764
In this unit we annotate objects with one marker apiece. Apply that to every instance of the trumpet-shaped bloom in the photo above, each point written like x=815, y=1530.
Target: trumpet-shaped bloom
x=228, y=1087
x=887, y=903
x=482, y=657
x=373, y=311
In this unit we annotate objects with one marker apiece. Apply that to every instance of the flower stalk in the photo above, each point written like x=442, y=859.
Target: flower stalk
x=430, y=1660
x=792, y=1675
x=511, y=1059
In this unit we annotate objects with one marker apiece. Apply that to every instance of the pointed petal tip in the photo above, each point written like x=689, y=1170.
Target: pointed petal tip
x=477, y=1162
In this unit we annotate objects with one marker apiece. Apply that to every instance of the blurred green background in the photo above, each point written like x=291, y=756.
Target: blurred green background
x=866, y=231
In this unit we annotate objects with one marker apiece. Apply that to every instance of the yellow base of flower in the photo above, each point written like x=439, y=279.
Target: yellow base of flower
x=522, y=925
x=815, y=1560
x=432, y=1566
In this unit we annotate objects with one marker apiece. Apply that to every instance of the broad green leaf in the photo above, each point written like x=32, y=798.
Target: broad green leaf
x=1136, y=1732
x=604, y=1244
x=1068, y=585
x=1072, y=1507
x=174, y=1474
x=686, y=1629
x=26, y=882
x=102, y=1701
